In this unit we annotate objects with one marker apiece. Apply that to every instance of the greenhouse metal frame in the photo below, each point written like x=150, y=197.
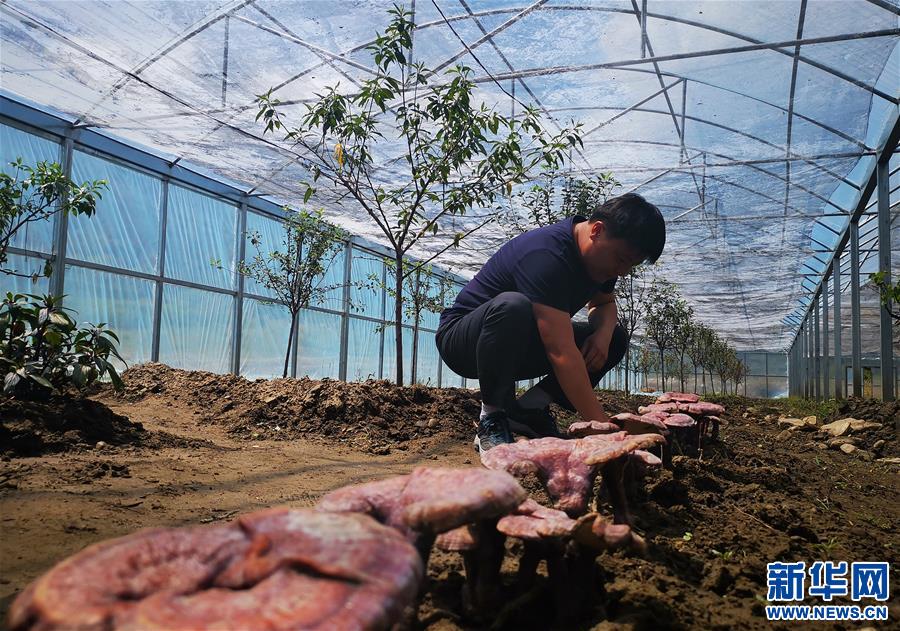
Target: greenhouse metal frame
x=766, y=132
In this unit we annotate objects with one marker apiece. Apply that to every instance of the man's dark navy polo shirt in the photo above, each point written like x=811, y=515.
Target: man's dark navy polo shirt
x=543, y=264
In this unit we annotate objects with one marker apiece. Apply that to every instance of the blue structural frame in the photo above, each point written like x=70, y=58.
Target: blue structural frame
x=35, y=119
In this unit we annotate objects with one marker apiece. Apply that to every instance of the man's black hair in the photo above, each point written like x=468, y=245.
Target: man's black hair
x=636, y=221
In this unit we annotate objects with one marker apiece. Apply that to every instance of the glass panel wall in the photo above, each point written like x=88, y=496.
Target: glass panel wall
x=32, y=148
x=124, y=303
x=196, y=329
x=200, y=238
x=319, y=343
x=264, y=338
x=188, y=296
x=124, y=231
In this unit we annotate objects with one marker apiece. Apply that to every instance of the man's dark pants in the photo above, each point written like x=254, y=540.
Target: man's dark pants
x=498, y=343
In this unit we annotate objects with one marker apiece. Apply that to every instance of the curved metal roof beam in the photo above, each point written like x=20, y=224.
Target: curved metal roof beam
x=752, y=137
x=670, y=18
x=191, y=31
x=713, y=52
x=681, y=171
x=362, y=46
x=887, y=6
x=751, y=164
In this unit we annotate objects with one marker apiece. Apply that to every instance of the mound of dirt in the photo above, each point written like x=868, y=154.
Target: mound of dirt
x=373, y=416
x=32, y=428
x=71, y=423
x=886, y=412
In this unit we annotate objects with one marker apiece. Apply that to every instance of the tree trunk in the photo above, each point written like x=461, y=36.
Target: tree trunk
x=662, y=368
x=287, y=355
x=415, y=351
x=626, y=371
x=398, y=316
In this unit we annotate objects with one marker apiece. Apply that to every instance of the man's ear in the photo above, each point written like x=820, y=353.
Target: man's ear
x=598, y=228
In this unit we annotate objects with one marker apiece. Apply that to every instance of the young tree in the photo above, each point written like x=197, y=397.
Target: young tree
x=630, y=304
x=889, y=293
x=682, y=330
x=456, y=155
x=644, y=362
x=425, y=289
x=295, y=273
x=660, y=307
x=544, y=205
x=701, y=337
x=34, y=194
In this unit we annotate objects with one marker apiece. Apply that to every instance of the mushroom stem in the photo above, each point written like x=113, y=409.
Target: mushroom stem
x=613, y=480
x=481, y=592
x=573, y=574
x=532, y=553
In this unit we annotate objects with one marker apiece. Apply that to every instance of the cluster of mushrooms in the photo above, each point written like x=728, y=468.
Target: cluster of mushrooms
x=357, y=559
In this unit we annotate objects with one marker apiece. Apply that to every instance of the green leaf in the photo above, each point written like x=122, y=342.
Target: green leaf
x=42, y=381
x=10, y=382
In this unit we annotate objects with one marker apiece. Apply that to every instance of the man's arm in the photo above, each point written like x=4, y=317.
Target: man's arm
x=555, y=329
x=602, y=317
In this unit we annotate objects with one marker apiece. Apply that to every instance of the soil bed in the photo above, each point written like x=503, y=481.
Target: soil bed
x=759, y=495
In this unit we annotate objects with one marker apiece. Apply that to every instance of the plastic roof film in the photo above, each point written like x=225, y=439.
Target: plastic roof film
x=752, y=124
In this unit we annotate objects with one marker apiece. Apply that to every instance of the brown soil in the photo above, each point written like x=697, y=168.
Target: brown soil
x=374, y=416
x=712, y=524
x=66, y=424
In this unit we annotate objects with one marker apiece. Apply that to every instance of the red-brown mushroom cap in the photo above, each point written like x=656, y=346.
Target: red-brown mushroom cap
x=587, y=428
x=593, y=531
x=430, y=500
x=705, y=408
x=276, y=569
x=457, y=540
x=567, y=468
x=680, y=397
x=659, y=416
x=634, y=424
x=659, y=407
x=532, y=521
x=679, y=420
x=646, y=457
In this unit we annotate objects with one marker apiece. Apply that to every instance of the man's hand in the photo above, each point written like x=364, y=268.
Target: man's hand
x=595, y=350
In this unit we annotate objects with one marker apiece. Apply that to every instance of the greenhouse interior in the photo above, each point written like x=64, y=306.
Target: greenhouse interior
x=257, y=258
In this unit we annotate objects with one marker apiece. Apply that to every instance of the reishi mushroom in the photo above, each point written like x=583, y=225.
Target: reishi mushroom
x=278, y=569
x=566, y=468
x=430, y=501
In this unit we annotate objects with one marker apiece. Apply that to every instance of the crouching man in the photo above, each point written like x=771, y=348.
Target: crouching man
x=512, y=321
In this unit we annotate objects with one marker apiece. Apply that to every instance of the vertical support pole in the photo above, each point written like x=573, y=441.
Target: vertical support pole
x=161, y=267
x=61, y=227
x=239, y=254
x=884, y=266
x=643, y=29
x=790, y=370
x=792, y=378
x=817, y=361
x=801, y=360
x=855, y=333
x=414, y=351
x=826, y=365
x=383, y=317
x=810, y=369
x=839, y=385
x=345, y=313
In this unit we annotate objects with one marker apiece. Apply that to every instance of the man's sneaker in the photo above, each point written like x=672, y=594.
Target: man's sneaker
x=493, y=430
x=533, y=423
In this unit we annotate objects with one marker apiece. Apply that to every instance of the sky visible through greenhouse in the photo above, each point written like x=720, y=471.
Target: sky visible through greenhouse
x=753, y=125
